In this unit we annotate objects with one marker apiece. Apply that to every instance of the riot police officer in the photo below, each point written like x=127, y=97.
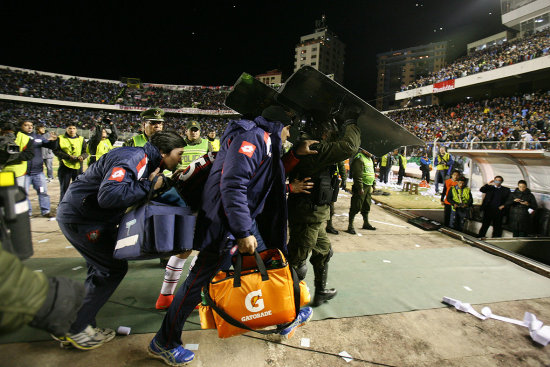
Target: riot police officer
x=308, y=213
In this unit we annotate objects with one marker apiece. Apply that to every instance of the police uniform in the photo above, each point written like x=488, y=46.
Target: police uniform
x=443, y=163
x=362, y=171
x=385, y=167
x=194, y=149
x=215, y=143
x=340, y=171
x=152, y=114
x=69, y=168
x=308, y=213
x=463, y=198
x=19, y=167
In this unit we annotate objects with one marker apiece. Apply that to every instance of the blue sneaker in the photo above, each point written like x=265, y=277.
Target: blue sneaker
x=178, y=356
x=303, y=317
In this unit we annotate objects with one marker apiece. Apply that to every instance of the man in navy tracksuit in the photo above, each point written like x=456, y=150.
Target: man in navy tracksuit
x=89, y=215
x=35, y=169
x=246, y=180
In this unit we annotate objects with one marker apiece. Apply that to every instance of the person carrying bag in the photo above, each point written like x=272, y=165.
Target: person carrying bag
x=261, y=291
x=154, y=229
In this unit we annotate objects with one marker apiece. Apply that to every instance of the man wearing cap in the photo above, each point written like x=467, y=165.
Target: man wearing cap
x=152, y=121
x=71, y=151
x=196, y=146
x=362, y=171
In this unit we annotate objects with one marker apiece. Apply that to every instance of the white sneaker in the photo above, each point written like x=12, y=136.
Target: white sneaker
x=87, y=339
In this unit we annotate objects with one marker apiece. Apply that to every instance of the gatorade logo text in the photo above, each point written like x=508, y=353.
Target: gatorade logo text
x=247, y=149
x=117, y=174
x=253, y=302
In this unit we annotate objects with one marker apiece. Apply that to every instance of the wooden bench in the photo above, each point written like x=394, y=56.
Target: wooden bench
x=411, y=187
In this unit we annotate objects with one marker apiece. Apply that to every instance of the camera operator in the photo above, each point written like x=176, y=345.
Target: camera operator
x=307, y=214
x=101, y=143
x=15, y=151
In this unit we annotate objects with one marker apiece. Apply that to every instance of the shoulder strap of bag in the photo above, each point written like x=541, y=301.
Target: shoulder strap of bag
x=296, y=287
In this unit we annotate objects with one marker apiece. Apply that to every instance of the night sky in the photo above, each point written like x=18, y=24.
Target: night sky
x=212, y=42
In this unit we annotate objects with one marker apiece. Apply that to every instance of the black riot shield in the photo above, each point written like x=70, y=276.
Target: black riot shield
x=250, y=96
x=311, y=91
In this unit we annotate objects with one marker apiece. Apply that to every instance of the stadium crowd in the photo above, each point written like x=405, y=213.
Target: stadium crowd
x=506, y=122
x=57, y=117
x=494, y=57
x=37, y=85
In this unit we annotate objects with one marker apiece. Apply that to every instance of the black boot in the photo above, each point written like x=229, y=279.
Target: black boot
x=322, y=294
x=366, y=224
x=330, y=229
x=351, y=230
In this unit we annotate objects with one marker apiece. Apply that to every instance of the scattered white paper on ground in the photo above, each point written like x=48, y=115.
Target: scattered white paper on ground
x=191, y=346
x=389, y=224
x=486, y=311
x=44, y=240
x=417, y=245
x=52, y=219
x=359, y=234
x=379, y=204
x=68, y=246
x=347, y=357
x=77, y=267
x=467, y=288
x=387, y=261
x=38, y=270
x=304, y=342
x=464, y=307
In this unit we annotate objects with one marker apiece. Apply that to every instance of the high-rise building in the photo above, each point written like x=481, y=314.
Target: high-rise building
x=271, y=77
x=322, y=50
x=401, y=67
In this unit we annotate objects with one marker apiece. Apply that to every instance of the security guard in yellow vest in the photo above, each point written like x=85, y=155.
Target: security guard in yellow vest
x=461, y=201
x=214, y=142
x=443, y=165
x=71, y=151
x=402, y=163
x=24, y=145
x=101, y=142
x=362, y=172
x=386, y=162
x=152, y=121
x=196, y=146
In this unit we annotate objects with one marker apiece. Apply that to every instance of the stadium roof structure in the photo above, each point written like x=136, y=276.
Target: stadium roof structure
x=533, y=166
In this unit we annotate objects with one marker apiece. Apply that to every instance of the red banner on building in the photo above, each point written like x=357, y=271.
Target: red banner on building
x=443, y=86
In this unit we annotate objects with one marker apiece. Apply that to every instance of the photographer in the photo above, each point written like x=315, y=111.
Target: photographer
x=15, y=151
x=101, y=142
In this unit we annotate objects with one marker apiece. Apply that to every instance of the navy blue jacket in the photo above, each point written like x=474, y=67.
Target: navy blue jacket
x=36, y=165
x=246, y=183
x=115, y=182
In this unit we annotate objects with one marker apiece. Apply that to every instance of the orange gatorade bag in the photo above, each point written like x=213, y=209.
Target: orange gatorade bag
x=261, y=291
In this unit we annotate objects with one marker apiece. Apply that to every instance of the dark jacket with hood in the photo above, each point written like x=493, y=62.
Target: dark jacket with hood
x=246, y=184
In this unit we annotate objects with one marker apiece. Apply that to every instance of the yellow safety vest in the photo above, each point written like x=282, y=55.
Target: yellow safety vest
x=193, y=152
x=384, y=160
x=19, y=169
x=462, y=197
x=368, y=168
x=403, y=161
x=104, y=146
x=441, y=167
x=215, y=145
x=140, y=140
x=71, y=147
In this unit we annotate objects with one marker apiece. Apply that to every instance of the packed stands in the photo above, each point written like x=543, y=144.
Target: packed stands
x=56, y=87
x=507, y=53
x=506, y=122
